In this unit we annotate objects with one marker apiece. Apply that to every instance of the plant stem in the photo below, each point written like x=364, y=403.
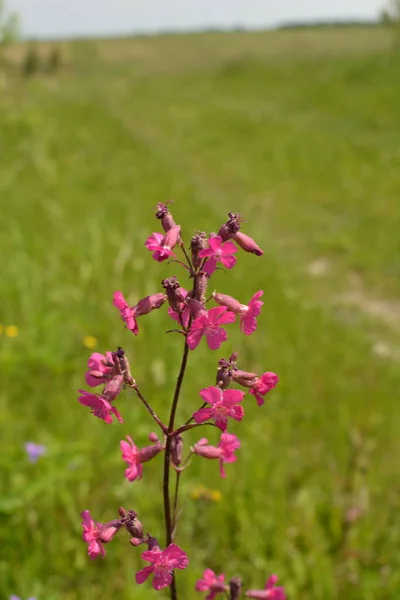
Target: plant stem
x=151, y=411
x=174, y=517
x=167, y=456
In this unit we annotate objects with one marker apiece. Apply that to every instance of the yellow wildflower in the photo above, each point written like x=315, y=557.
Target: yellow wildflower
x=90, y=342
x=11, y=331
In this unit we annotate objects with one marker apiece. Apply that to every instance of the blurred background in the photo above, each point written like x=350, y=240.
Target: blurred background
x=288, y=115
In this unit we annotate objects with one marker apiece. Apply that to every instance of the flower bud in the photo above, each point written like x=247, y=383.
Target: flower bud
x=176, y=450
x=235, y=586
x=149, y=303
x=247, y=243
x=167, y=220
x=149, y=452
x=123, y=366
x=174, y=293
x=200, y=286
x=224, y=376
x=230, y=228
x=133, y=525
x=197, y=244
x=202, y=449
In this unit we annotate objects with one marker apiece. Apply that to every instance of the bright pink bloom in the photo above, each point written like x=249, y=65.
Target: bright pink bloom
x=91, y=532
x=135, y=457
x=162, y=245
x=223, y=405
x=270, y=592
x=127, y=313
x=209, y=323
x=263, y=385
x=218, y=251
x=163, y=562
x=185, y=314
x=247, y=313
x=225, y=451
x=211, y=583
x=101, y=408
x=101, y=368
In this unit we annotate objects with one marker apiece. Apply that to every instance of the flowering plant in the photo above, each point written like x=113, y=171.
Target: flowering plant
x=220, y=402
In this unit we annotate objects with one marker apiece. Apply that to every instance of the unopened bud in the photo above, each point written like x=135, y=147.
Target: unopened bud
x=176, y=450
x=174, y=293
x=247, y=243
x=132, y=524
x=232, y=226
x=224, y=376
x=149, y=303
x=200, y=286
x=197, y=244
x=235, y=586
x=167, y=220
x=123, y=366
x=152, y=542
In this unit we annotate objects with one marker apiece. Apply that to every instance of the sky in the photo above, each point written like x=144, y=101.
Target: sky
x=58, y=18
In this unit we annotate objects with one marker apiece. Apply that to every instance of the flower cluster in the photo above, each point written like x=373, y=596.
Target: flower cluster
x=222, y=402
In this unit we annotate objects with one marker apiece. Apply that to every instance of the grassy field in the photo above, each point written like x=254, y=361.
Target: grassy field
x=299, y=132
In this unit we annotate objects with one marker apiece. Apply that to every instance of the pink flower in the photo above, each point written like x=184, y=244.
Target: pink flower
x=263, y=385
x=185, y=310
x=127, y=313
x=211, y=583
x=101, y=408
x=163, y=562
x=135, y=457
x=101, y=369
x=91, y=532
x=270, y=592
x=224, y=452
x=162, y=245
x=223, y=405
x=209, y=323
x=218, y=251
x=143, y=307
x=96, y=534
x=247, y=313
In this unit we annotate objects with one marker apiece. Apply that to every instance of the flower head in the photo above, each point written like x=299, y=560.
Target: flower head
x=162, y=245
x=184, y=313
x=163, y=563
x=247, y=313
x=263, y=385
x=127, y=313
x=34, y=451
x=211, y=583
x=247, y=243
x=91, y=533
x=218, y=251
x=101, y=408
x=223, y=405
x=224, y=452
x=135, y=457
x=270, y=592
x=209, y=323
x=101, y=368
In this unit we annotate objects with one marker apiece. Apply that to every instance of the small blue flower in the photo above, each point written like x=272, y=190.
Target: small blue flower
x=34, y=451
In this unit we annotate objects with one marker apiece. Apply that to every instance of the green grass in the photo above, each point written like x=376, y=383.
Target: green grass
x=297, y=131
